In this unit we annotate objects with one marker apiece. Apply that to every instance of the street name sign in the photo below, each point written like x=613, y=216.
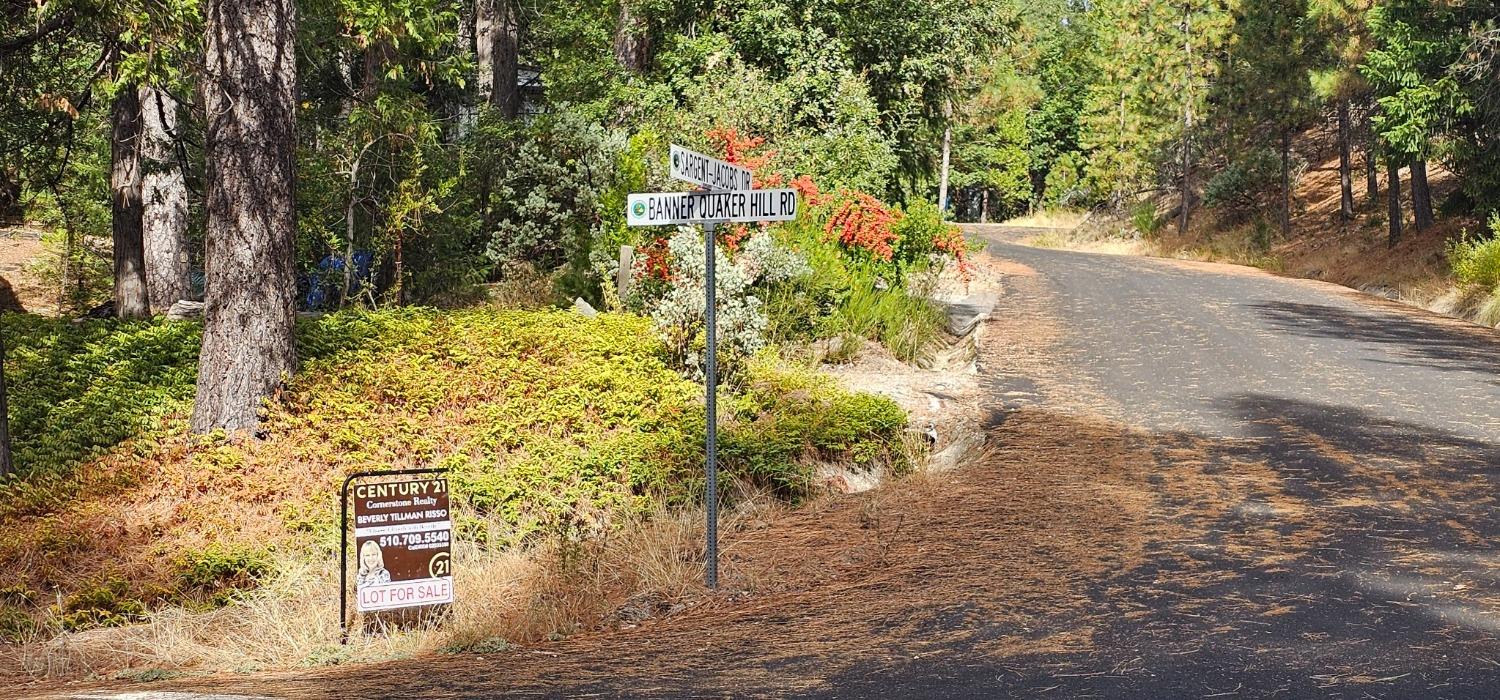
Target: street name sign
x=666, y=208
x=715, y=174
x=729, y=199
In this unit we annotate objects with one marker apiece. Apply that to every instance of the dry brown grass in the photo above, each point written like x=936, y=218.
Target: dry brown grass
x=647, y=567
x=1050, y=218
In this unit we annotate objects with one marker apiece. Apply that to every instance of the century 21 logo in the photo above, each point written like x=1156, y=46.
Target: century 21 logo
x=440, y=565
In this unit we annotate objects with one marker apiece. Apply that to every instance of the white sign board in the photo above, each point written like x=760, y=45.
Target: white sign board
x=700, y=169
x=665, y=208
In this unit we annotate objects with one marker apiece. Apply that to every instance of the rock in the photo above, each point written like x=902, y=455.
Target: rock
x=584, y=308
x=966, y=313
x=185, y=309
x=956, y=452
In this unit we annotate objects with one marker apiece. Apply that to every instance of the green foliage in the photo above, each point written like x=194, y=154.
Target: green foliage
x=1250, y=185
x=547, y=179
x=905, y=322
x=788, y=414
x=78, y=389
x=1476, y=261
x=1408, y=69
x=549, y=421
x=1145, y=218
x=104, y=603
x=213, y=575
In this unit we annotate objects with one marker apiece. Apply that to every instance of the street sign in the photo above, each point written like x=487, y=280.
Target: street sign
x=729, y=199
x=665, y=208
x=402, y=537
x=712, y=173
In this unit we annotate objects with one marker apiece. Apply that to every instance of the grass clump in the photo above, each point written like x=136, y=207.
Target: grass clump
x=211, y=577
x=1476, y=261
x=102, y=603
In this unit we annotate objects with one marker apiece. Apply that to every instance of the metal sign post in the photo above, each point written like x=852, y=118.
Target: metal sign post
x=711, y=442
x=727, y=197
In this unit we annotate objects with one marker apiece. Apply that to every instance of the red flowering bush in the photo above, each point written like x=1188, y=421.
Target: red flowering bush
x=741, y=149
x=862, y=222
x=655, y=261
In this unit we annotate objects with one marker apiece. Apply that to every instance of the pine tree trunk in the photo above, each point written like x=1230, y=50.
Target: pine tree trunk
x=1346, y=176
x=249, y=91
x=1187, y=126
x=497, y=35
x=7, y=467
x=1393, y=200
x=632, y=42
x=1372, y=173
x=164, y=218
x=1286, y=184
x=131, y=300
x=1421, y=195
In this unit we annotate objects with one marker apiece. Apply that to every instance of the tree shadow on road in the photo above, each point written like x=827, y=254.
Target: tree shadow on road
x=1443, y=345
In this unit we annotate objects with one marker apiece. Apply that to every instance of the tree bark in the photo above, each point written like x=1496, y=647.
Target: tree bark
x=1421, y=195
x=249, y=91
x=131, y=300
x=1187, y=126
x=1346, y=175
x=1372, y=177
x=1286, y=183
x=1393, y=200
x=497, y=37
x=7, y=467
x=632, y=39
x=943, y=177
x=164, y=218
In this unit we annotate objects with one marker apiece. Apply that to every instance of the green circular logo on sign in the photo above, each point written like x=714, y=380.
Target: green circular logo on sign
x=639, y=209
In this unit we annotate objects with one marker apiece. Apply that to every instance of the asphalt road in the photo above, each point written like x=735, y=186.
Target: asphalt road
x=1362, y=439
x=1321, y=474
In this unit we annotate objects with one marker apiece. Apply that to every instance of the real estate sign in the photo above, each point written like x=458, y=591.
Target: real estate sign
x=403, y=536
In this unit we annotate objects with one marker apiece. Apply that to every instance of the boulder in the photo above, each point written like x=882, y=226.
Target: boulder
x=185, y=309
x=966, y=313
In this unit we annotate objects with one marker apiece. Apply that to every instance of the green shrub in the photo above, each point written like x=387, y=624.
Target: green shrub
x=213, y=575
x=106, y=603
x=1145, y=218
x=1250, y=185
x=791, y=414
x=77, y=389
x=1476, y=261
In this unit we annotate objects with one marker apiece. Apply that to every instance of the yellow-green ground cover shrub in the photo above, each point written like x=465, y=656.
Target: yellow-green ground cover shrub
x=550, y=423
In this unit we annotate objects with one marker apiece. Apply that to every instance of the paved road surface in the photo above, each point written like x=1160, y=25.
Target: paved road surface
x=1382, y=429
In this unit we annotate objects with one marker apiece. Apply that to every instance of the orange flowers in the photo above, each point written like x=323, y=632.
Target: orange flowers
x=952, y=242
x=863, y=222
x=738, y=149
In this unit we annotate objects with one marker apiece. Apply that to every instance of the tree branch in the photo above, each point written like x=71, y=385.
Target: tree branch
x=61, y=21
